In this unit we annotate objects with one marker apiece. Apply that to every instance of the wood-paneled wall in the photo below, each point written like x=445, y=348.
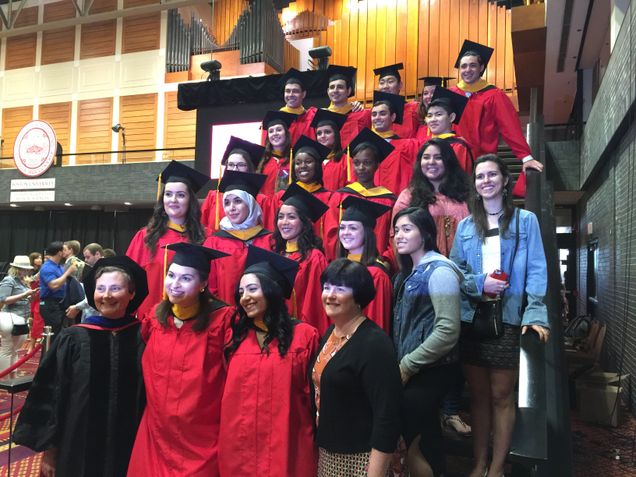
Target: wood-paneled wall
x=58, y=115
x=226, y=14
x=425, y=35
x=179, y=127
x=101, y=6
x=98, y=39
x=13, y=119
x=21, y=49
x=138, y=114
x=58, y=45
x=94, y=120
x=141, y=33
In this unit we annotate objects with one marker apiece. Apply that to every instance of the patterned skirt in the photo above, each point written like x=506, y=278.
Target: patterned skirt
x=496, y=353
x=333, y=464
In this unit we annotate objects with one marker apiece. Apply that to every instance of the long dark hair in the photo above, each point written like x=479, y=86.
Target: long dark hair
x=425, y=223
x=370, y=252
x=476, y=205
x=337, y=142
x=307, y=239
x=269, y=150
x=454, y=184
x=158, y=223
x=317, y=168
x=201, y=321
x=279, y=324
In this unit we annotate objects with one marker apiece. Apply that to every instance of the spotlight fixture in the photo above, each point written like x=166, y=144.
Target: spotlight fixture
x=322, y=54
x=128, y=203
x=118, y=128
x=213, y=67
x=68, y=204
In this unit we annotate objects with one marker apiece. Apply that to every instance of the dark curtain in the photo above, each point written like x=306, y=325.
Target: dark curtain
x=23, y=232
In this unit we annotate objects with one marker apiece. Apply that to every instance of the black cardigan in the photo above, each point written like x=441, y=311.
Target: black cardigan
x=360, y=394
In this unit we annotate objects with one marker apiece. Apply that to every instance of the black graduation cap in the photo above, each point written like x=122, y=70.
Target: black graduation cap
x=306, y=202
x=195, y=256
x=178, y=172
x=362, y=210
x=254, y=151
x=247, y=181
x=280, y=269
x=367, y=136
x=484, y=51
x=435, y=80
x=396, y=100
x=278, y=117
x=127, y=264
x=324, y=116
x=347, y=73
x=293, y=76
x=305, y=144
x=456, y=101
x=389, y=70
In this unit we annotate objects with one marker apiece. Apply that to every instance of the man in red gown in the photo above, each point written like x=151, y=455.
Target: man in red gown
x=390, y=81
x=489, y=112
x=339, y=90
x=423, y=134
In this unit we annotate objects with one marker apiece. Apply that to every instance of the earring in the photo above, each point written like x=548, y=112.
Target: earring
x=505, y=193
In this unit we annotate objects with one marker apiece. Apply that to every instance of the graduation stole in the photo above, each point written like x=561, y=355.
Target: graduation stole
x=355, y=257
x=185, y=312
x=311, y=188
x=372, y=192
x=246, y=234
x=473, y=87
x=297, y=111
x=346, y=109
x=260, y=325
x=444, y=135
x=291, y=247
x=176, y=227
x=386, y=134
x=330, y=157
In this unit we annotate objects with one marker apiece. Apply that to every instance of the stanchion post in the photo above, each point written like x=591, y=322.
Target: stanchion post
x=47, y=333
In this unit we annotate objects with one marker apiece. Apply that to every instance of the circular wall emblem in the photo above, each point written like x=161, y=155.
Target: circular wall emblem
x=35, y=148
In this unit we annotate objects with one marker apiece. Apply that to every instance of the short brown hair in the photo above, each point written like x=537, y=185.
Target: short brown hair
x=74, y=245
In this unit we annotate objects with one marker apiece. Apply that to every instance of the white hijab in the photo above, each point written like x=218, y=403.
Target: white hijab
x=253, y=218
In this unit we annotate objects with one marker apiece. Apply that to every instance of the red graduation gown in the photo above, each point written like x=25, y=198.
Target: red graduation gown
x=153, y=264
x=225, y=273
x=462, y=150
x=184, y=373
x=488, y=114
x=334, y=174
x=332, y=216
x=355, y=123
x=379, y=310
x=323, y=194
x=208, y=209
x=306, y=300
x=275, y=166
x=410, y=121
x=267, y=422
x=396, y=170
x=302, y=125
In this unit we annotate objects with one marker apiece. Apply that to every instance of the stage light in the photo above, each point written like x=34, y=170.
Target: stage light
x=322, y=54
x=118, y=127
x=213, y=67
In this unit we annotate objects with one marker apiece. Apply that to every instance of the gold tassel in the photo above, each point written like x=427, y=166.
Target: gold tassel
x=165, y=270
x=291, y=164
x=159, y=186
x=348, y=165
x=294, y=305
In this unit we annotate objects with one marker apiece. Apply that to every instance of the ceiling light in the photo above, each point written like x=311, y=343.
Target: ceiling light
x=14, y=205
x=68, y=204
x=127, y=203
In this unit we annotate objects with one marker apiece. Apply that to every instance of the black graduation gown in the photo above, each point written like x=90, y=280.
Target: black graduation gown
x=87, y=399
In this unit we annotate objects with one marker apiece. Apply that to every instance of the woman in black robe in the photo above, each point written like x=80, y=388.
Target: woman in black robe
x=87, y=397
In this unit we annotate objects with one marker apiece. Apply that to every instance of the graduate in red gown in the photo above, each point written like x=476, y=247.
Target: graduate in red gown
x=368, y=151
x=294, y=238
x=267, y=423
x=243, y=156
x=275, y=162
x=294, y=95
x=357, y=242
x=184, y=372
x=87, y=396
x=395, y=171
x=340, y=89
x=390, y=81
x=241, y=226
x=175, y=218
x=306, y=173
x=489, y=112
x=336, y=167
x=430, y=83
x=446, y=109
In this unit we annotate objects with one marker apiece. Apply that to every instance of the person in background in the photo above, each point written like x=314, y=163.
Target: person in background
x=92, y=253
x=489, y=113
x=183, y=372
x=430, y=83
x=485, y=243
x=336, y=166
x=426, y=328
x=356, y=380
x=37, y=323
x=87, y=396
x=109, y=252
x=267, y=426
x=71, y=251
x=15, y=303
x=390, y=81
x=276, y=158
x=52, y=287
x=175, y=218
x=294, y=93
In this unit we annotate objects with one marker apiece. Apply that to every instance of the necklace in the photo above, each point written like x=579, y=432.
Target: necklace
x=354, y=326
x=495, y=213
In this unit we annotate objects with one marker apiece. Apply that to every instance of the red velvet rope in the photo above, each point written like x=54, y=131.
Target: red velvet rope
x=8, y=414
x=21, y=361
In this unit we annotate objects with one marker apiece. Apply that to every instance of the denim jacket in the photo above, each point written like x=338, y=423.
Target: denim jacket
x=529, y=268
